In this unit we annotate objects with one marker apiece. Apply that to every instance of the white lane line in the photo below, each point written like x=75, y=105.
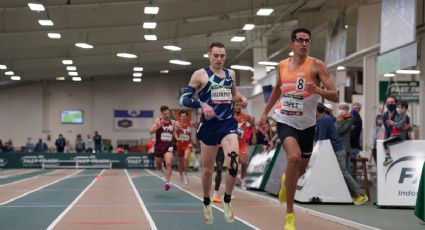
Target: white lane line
x=14, y=173
x=39, y=188
x=56, y=221
x=29, y=178
x=312, y=212
x=142, y=204
x=201, y=199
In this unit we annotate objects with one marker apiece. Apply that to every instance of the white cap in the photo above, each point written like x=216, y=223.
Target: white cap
x=328, y=106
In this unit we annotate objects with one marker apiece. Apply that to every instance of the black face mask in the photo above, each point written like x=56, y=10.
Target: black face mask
x=391, y=107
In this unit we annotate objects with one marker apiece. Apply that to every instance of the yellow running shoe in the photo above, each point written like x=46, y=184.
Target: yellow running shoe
x=282, y=190
x=228, y=213
x=360, y=199
x=216, y=199
x=208, y=214
x=289, y=221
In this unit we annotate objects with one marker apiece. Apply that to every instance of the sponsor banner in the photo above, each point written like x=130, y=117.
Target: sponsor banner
x=398, y=182
x=132, y=120
x=137, y=162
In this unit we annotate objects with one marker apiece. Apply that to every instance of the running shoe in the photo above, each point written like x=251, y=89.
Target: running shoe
x=289, y=222
x=282, y=190
x=167, y=186
x=360, y=199
x=185, y=180
x=243, y=184
x=228, y=213
x=216, y=199
x=208, y=214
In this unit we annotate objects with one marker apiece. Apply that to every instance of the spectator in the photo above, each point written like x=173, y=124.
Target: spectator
x=89, y=144
x=68, y=147
x=8, y=147
x=108, y=148
x=390, y=114
x=398, y=130
x=29, y=146
x=325, y=130
x=344, y=125
x=97, y=142
x=1, y=146
x=377, y=133
x=40, y=147
x=60, y=144
x=79, y=144
x=355, y=134
x=329, y=111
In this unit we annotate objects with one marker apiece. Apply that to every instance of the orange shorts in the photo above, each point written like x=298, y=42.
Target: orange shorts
x=182, y=148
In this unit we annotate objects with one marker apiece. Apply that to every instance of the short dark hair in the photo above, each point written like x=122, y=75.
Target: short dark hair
x=395, y=99
x=216, y=44
x=404, y=104
x=163, y=108
x=321, y=108
x=299, y=30
x=183, y=112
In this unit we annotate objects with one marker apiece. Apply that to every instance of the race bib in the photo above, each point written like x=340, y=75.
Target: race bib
x=166, y=136
x=184, y=137
x=221, y=94
x=241, y=132
x=292, y=104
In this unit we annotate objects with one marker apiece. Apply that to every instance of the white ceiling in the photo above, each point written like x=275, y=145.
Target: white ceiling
x=116, y=26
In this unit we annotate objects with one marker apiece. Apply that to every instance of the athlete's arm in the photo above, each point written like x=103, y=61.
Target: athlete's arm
x=155, y=126
x=235, y=93
x=175, y=127
x=189, y=90
x=329, y=92
x=276, y=92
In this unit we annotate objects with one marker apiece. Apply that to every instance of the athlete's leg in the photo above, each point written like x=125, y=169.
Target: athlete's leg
x=186, y=160
x=168, y=158
x=158, y=161
x=231, y=152
x=293, y=154
x=243, y=159
x=208, y=154
x=219, y=161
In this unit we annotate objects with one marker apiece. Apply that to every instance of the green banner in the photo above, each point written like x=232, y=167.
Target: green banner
x=402, y=90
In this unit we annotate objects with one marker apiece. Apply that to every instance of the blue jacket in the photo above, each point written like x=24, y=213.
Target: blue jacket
x=325, y=129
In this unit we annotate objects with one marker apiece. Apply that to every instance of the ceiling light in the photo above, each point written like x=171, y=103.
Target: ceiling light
x=73, y=73
x=241, y=67
x=54, y=35
x=67, y=62
x=151, y=10
x=270, y=68
x=60, y=78
x=126, y=55
x=15, y=78
x=346, y=26
x=3, y=66
x=9, y=73
x=35, y=6
x=138, y=69
x=137, y=80
x=248, y=26
x=268, y=63
x=165, y=71
x=172, y=48
x=340, y=68
x=291, y=54
x=149, y=25
x=76, y=78
x=237, y=39
x=389, y=75
x=205, y=55
x=71, y=68
x=45, y=22
x=264, y=11
x=137, y=74
x=179, y=62
x=406, y=71
x=84, y=45
x=150, y=37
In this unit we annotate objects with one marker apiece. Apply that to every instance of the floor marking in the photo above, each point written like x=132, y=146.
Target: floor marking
x=180, y=211
x=17, y=173
x=29, y=178
x=39, y=188
x=142, y=204
x=215, y=206
x=106, y=222
x=56, y=221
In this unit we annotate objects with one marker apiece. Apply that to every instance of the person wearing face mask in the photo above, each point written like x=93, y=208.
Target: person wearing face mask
x=344, y=124
x=355, y=134
x=398, y=131
x=390, y=114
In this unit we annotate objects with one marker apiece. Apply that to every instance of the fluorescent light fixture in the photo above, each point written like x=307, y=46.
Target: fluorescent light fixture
x=340, y=68
x=268, y=63
x=67, y=62
x=137, y=80
x=83, y=45
x=54, y=35
x=60, y=78
x=205, y=55
x=407, y=71
x=291, y=54
x=241, y=67
x=73, y=73
x=76, y=78
x=9, y=73
x=179, y=62
x=164, y=71
x=248, y=26
x=15, y=78
x=138, y=69
x=71, y=68
x=150, y=37
x=264, y=11
x=36, y=6
x=126, y=55
x=149, y=25
x=389, y=75
x=172, y=48
x=270, y=68
x=237, y=39
x=151, y=10
x=45, y=22
x=3, y=66
x=137, y=74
